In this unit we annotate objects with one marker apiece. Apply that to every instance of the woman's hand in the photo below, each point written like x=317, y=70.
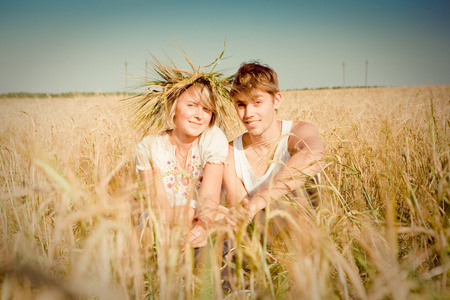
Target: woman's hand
x=197, y=237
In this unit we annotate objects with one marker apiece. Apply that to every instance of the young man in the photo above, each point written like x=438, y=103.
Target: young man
x=273, y=158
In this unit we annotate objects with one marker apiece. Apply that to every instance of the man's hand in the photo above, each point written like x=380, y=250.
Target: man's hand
x=239, y=214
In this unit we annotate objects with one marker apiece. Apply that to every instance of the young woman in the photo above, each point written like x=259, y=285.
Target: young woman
x=183, y=165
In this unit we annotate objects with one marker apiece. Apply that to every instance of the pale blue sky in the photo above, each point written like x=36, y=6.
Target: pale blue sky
x=53, y=46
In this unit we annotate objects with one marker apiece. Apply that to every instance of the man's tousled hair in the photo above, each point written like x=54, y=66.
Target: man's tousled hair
x=253, y=75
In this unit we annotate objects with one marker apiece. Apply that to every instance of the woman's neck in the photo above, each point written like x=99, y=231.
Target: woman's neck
x=182, y=142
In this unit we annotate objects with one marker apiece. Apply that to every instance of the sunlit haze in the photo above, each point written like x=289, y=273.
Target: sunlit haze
x=59, y=46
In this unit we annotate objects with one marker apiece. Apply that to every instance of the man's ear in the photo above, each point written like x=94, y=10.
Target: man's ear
x=277, y=99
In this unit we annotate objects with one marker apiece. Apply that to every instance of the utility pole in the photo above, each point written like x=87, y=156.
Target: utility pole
x=367, y=68
x=126, y=78
x=343, y=72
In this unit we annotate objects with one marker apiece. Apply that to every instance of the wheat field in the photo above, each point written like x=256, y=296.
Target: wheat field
x=70, y=201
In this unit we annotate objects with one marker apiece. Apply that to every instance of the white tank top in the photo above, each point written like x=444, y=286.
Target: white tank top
x=252, y=183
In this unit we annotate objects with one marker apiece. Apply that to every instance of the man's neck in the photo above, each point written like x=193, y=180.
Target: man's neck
x=267, y=138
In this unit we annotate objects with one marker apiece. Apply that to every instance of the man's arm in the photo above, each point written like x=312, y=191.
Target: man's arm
x=233, y=185
x=306, y=151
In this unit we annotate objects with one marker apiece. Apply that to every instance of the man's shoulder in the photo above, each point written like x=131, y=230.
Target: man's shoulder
x=298, y=126
x=230, y=156
x=236, y=139
x=302, y=130
x=231, y=146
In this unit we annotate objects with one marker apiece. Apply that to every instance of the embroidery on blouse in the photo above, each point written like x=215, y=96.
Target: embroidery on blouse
x=177, y=180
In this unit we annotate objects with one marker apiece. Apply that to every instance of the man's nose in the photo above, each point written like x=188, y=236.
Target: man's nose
x=248, y=111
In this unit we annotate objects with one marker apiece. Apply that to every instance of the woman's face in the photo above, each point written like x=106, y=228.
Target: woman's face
x=191, y=117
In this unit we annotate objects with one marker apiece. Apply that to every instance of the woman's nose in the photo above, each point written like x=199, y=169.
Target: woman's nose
x=198, y=112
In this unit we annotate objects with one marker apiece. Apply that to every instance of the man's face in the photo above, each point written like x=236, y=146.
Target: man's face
x=259, y=111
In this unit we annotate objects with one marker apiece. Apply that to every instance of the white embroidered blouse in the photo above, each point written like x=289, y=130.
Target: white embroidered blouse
x=157, y=151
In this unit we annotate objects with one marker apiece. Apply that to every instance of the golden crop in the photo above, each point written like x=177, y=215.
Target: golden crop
x=69, y=203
